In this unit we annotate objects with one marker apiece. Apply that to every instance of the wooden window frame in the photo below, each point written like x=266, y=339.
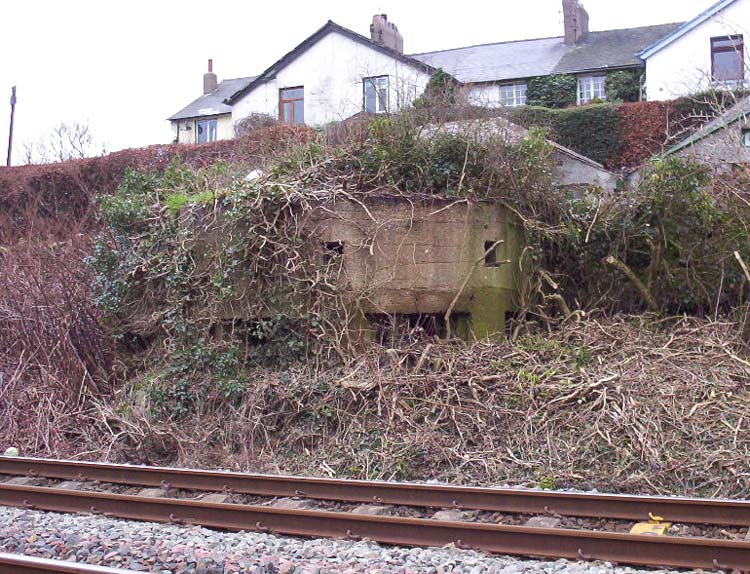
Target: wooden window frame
x=737, y=49
x=292, y=101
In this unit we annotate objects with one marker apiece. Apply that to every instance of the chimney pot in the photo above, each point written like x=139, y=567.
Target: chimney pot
x=386, y=33
x=576, y=21
x=210, y=65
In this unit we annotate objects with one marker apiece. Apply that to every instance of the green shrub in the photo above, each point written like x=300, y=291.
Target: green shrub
x=592, y=131
x=556, y=91
x=441, y=90
x=624, y=86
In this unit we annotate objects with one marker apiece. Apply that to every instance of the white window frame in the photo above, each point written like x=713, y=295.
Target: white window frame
x=745, y=138
x=212, y=127
x=512, y=95
x=591, y=87
x=379, y=83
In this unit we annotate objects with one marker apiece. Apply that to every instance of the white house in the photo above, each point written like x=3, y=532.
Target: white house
x=334, y=74
x=208, y=118
x=708, y=51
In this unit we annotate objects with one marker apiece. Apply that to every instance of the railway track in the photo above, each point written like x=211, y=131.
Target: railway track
x=620, y=547
x=20, y=564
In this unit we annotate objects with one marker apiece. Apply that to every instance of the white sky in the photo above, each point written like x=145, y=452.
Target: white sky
x=124, y=67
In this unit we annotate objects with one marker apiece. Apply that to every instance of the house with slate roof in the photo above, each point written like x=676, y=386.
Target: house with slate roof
x=709, y=51
x=337, y=73
x=498, y=74
x=208, y=118
x=723, y=143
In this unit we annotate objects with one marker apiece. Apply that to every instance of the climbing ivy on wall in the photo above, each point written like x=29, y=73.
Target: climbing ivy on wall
x=556, y=91
x=593, y=131
x=624, y=86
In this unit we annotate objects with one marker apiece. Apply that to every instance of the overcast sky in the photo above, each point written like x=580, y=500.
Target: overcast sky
x=124, y=67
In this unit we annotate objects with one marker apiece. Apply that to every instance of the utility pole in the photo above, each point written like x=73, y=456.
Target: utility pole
x=12, y=114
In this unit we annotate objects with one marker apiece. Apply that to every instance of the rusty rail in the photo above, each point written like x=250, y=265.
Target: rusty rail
x=620, y=507
x=538, y=542
x=20, y=564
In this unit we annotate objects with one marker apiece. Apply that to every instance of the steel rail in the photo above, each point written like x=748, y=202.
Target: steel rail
x=614, y=506
x=21, y=564
x=518, y=540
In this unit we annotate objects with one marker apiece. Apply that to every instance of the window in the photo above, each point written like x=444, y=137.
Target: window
x=746, y=137
x=375, y=94
x=591, y=87
x=728, y=59
x=513, y=95
x=292, y=105
x=332, y=251
x=205, y=131
x=490, y=257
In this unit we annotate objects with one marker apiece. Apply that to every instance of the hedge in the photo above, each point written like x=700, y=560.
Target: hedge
x=593, y=131
x=57, y=196
x=623, y=135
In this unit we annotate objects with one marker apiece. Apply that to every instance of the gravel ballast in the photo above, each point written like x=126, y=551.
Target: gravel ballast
x=151, y=547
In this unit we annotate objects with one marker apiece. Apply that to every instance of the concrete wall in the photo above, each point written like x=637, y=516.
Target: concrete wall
x=684, y=66
x=331, y=72
x=722, y=149
x=224, y=129
x=572, y=171
x=412, y=256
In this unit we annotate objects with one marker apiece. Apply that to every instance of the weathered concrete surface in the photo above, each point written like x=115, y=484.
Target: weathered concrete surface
x=412, y=257
x=402, y=256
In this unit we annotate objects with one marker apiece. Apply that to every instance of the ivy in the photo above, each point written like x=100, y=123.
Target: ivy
x=441, y=91
x=624, y=86
x=592, y=131
x=555, y=91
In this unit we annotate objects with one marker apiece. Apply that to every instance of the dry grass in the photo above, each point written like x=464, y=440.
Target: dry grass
x=625, y=404
x=55, y=354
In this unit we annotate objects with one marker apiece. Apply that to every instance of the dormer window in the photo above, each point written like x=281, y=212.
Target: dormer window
x=375, y=94
x=728, y=59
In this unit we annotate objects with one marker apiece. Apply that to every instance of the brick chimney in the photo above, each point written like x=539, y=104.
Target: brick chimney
x=576, y=21
x=209, y=79
x=385, y=33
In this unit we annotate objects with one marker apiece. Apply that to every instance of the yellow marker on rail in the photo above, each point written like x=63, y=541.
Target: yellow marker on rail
x=655, y=526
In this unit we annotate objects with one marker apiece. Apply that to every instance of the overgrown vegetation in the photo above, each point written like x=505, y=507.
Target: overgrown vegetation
x=593, y=131
x=555, y=91
x=623, y=134
x=199, y=267
x=631, y=404
x=559, y=91
x=624, y=86
x=212, y=327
